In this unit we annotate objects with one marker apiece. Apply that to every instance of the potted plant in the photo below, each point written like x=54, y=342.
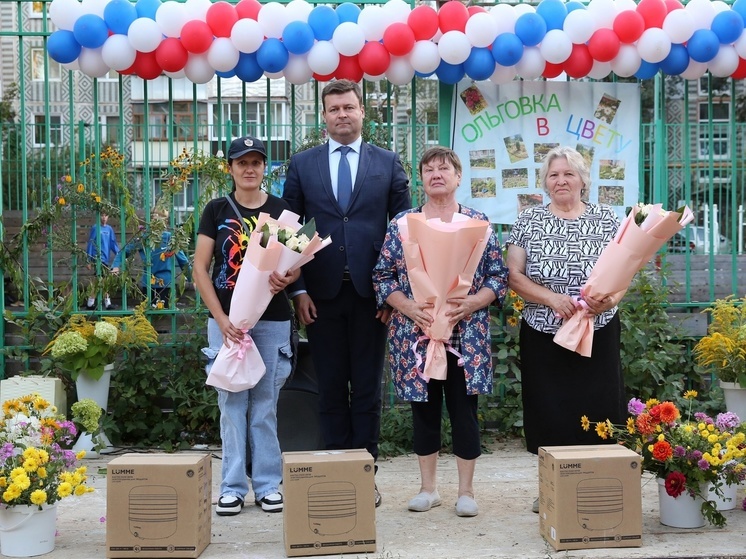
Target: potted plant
x=86, y=415
x=36, y=471
x=723, y=350
x=687, y=456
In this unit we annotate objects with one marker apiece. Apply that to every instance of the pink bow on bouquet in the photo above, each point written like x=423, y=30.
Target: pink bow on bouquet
x=641, y=234
x=280, y=245
x=441, y=261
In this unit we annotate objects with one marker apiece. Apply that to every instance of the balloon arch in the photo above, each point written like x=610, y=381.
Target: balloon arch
x=199, y=39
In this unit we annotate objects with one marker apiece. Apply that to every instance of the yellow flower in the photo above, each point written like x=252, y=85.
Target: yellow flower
x=163, y=256
x=65, y=489
x=39, y=497
x=159, y=305
x=602, y=430
x=81, y=187
x=98, y=199
x=80, y=455
x=68, y=178
x=690, y=394
x=630, y=425
x=512, y=321
x=61, y=201
x=652, y=402
x=11, y=493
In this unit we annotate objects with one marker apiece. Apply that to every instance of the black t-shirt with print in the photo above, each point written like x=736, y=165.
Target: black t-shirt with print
x=219, y=222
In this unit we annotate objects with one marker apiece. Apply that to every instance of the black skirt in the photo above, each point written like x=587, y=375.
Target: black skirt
x=559, y=386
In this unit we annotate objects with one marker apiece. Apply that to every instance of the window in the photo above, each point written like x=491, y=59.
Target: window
x=40, y=130
x=716, y=145
x=251, y=115
x=716, y=176
x=38, y=59
x=179, y=126
x=110, y=129
x=720, y=86
x=183, y=200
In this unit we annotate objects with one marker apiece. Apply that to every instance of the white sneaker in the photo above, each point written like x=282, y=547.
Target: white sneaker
x=270, y=503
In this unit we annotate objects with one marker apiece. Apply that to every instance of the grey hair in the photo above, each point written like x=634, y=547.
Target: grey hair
x=574, y=159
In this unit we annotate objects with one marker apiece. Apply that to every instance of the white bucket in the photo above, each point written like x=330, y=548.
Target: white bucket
x=683, y=511
x=96, y=390
x=26, y=531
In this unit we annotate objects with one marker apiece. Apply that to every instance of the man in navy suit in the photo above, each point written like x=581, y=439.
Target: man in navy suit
x=352, y=194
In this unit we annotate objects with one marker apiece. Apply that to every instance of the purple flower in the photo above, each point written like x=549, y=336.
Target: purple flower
x=6, y=451
x=696, y=454
x=703, y=464
x=727, y=420
x=679, y=451
x=700, y=416
x=635, y=406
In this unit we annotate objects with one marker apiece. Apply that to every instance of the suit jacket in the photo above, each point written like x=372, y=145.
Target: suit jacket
x=381, y=190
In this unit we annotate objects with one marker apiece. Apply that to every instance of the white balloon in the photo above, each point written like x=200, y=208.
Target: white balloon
x=95, y=7
x=247, y=35
x=602, y=12
x=579, y=26
x=522, y=8
x=197, y=9
x=424, y=57
x=679, y=26
x=531, y=65
x=720, y=6
x=348, y=38
x=503, y=74
x=91, y=63
x=396, y=11
x=64, y=13
x=298, y=10
x=372, y=21
x=694, y=71
x=72, y=66
x=179, y=74
x=273, y=19
x=702, y=13
x=198, y=69
x=724, y=63
x=627, y=61
x=556, y=46
x=170, y=17
x=400, y=71
x=623, y=5
x=369, y=78
x=505, y=16
x=438, y=36
x=297, y=70
x=599, y=70
x=740, y=45
x=654, y=45
x=481, y=29
x=454, y=47
x=118, y=53
x=273, y=75
x=144, y=34
x=323, y=58
x=222, y=55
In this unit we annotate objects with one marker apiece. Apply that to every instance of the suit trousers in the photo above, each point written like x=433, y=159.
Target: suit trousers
x=347, y=348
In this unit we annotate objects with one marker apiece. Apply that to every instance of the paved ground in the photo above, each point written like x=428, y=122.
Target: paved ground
x=505, y=483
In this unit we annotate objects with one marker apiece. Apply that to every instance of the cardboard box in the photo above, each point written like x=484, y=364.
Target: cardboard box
x=329, y=502
x=49, y=388
x=158, y=505
x=590, y=496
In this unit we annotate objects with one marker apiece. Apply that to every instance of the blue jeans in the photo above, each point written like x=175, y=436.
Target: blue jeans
x=255, y=411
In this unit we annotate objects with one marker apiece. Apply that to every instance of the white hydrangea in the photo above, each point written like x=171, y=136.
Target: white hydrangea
x=106, y=332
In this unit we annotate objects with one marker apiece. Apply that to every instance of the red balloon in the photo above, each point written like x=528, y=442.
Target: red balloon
x=579, y=63
x=424, y=22
x=248, y=9
x=196, y=36
x=171, y=55
x=475, y=10
x=552, y=70
x=604, y=45
x=672, y=5
x=324, y=77
x=220, y=18
x=740, y=72
x=374, y=59
x=349, y=68
x=146, y=66
x=452, y=16
x=653, y=12
x=628, y=26
x=398, y=39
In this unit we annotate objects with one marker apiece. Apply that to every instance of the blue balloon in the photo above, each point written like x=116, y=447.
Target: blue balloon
x=298, y=37
x=480, y=65
x=554, y=13
x=703, y=46
x=646, y=70
x=574, y=5
x=62, y=46
x=739, y=6
x=348, y=12
x=119, y=15
x=147, y=8
x=422, y=74
x=323, y=20
x=248, y=69
x=228, y=74
x=90, y=31
x=507, y=49
x=676, y=62
x=450, y=73
x=530, y=29
x=272, y=56
x=728, y=26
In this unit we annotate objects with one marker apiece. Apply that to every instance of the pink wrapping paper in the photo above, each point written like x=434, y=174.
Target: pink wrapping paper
x=441, y=261
x=632, y=247
x=238, y=366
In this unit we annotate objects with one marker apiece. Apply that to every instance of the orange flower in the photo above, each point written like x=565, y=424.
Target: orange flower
x=668, y=412
x=645, y=424
x=61, y=201
x=662, y=451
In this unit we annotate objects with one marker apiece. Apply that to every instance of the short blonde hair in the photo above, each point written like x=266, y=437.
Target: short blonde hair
x=574, y=159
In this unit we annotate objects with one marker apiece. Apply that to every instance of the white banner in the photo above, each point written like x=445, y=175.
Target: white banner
x=501, y=134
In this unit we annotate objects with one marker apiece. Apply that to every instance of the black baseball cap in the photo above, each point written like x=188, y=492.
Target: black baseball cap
x=246, y=144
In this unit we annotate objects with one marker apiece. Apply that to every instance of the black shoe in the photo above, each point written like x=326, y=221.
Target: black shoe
x=270, y=503
x=229, y=505
x=111, y=307
x=90, y=307
x=378, y=496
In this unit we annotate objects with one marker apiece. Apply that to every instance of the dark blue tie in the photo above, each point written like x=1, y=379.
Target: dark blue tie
x=344, y=178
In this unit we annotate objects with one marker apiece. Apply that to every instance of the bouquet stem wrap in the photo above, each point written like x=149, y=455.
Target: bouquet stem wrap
x=441, y=261
x=238, y=366
x=634, y=244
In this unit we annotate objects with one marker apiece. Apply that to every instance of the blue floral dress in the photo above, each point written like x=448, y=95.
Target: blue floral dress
x=390, y=275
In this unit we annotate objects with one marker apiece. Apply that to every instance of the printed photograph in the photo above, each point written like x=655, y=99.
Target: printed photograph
x=516, y=148
x=587, y=153
x=611, y=170
x=528, y=201
x=607, y=108
x=538, y=180
x=473, y=99
x=483, y=188
x=611, y=195
x=482, y=159
x=515, y=178
x=541, y=150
